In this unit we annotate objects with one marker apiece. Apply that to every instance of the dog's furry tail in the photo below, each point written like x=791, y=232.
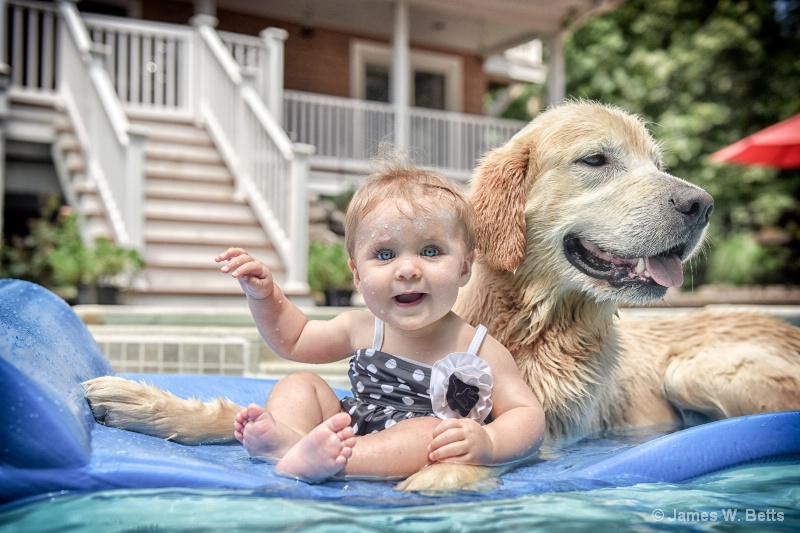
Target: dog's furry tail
x=143, y=408
x=438, y=477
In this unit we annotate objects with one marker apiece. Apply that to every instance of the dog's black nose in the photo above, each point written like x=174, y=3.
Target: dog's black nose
x=695, y=205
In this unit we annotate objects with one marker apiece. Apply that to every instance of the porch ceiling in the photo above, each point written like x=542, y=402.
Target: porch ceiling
x=485, y=27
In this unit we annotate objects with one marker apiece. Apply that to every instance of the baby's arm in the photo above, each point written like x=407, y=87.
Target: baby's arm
x=282, y=324
x=518, y=425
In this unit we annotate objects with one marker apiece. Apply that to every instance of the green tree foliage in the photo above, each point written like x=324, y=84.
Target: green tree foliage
x=706, y=74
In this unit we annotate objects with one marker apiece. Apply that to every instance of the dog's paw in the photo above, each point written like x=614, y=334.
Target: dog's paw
x=107, y=393
x=440, y=477
x=126, y=404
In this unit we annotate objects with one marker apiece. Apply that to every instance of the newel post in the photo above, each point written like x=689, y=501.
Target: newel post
x=297, y=269
x=271, y=71
x=243, y=137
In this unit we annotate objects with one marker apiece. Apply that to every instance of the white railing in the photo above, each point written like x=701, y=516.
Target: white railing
x=264, y=56
x=270, y=171
x=149, y=62
x=113, y=151
x=178, y=353
x=346, y=128
x=338, y=127
x=455, y=141
x=31, y=49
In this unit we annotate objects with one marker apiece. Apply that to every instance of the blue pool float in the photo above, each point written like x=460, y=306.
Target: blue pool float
x=51, y=443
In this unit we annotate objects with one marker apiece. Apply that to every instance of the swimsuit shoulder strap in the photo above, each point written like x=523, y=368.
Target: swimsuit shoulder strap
x=477, y=340
x=377, y=340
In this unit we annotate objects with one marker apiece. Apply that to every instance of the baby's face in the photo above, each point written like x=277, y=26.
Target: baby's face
x=409, y=263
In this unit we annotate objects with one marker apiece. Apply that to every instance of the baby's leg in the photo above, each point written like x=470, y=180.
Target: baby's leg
x=322, y=453
x=396, y=452
x=296, y=405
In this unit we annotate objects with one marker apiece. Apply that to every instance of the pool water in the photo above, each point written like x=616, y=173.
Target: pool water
x=763, y=498
x=760, y=497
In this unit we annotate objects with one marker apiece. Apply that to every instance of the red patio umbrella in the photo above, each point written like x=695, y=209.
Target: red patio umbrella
x=775, y=146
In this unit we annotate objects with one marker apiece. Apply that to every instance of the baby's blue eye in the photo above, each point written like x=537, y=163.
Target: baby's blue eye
x=385, y=255
x=430, y=252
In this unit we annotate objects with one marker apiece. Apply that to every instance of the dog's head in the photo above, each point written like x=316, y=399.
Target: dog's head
x=580, y=195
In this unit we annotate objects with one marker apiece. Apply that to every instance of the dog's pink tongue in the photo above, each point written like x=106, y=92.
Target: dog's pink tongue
x=667, y=271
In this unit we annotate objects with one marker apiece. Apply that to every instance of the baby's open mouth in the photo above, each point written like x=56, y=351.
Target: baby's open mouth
x=409, y=298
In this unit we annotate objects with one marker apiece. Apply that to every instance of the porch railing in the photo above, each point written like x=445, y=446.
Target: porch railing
x=346, y=128
x=31, y=50
x=149, y=63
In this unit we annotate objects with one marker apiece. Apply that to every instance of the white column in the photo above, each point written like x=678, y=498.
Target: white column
x=205, y=7
x=3, y=58
x=4, y=82
x=556, y=80
x=271, y=73
x=400, y=75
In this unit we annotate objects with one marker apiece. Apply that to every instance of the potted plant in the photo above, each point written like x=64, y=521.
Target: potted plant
x=55, y=255
x=328, y=272
x=70, y=260
x=114, y=267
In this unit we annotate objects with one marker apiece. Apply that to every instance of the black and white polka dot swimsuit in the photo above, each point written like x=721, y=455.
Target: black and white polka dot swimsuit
x=389, y=388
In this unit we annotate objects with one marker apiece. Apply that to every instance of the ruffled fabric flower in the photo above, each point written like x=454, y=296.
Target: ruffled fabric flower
x=461, y=387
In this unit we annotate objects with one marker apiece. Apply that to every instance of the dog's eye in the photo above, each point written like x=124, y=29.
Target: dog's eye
x=595, y=160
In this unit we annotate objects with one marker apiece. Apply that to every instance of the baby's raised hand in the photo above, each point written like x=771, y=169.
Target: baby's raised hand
x=461, y=440
x=253, y=275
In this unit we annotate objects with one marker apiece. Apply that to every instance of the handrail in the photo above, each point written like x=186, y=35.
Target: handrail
x=218, y=49
x=269, y=170
x=114, y=153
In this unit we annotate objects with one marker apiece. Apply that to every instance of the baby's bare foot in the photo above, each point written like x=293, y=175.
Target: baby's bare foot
x=262, y=435
x=322, y=453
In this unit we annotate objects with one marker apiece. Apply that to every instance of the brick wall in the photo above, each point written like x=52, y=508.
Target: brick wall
x=318, y=62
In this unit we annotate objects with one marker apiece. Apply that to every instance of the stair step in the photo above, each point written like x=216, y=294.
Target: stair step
x=184, y=133
x=170, y=232
x=68, y=142
x=74, y=162
x=90, y=205
x=34, y=114
x=176, y=189
x=237, y=214
x=186, y=171
x=181, y=152
x=187, y=281
x=200, y=255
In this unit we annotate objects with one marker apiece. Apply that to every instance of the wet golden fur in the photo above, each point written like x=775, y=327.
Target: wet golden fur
x=589, y=368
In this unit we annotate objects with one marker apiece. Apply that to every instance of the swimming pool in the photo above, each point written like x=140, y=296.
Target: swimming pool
x=761, y=496
x=50, y=442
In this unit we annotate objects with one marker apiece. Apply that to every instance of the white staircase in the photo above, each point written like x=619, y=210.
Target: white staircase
x=191, y=214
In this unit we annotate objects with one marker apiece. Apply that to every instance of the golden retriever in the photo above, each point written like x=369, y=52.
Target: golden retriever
x=575, y=215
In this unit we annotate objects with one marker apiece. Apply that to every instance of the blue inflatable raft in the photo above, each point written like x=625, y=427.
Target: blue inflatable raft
x=51, y=443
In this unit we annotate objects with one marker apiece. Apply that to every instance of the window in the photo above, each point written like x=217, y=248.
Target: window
x=436, y=81
x=376, y=83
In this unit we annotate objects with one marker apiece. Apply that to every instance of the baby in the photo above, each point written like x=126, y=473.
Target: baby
x=418, y=396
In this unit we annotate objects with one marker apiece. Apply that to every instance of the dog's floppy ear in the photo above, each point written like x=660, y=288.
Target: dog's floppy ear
x=498, y=197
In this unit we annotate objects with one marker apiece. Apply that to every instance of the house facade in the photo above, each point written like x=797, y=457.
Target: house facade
x=181, y=127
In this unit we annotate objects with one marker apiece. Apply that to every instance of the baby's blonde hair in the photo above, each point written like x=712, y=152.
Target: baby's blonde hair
x=409, y=184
